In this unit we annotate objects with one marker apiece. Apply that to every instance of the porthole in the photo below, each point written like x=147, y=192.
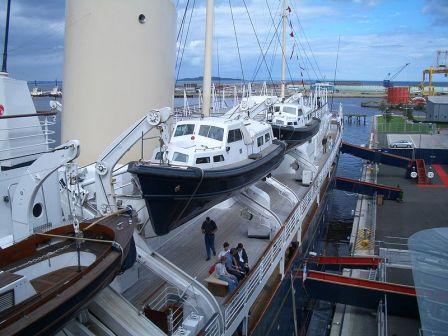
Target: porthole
x=142, y=18
x=37, y=210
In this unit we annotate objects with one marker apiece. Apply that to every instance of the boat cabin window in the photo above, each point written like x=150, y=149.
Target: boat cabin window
x=186, y=129
x=159, y=155
x=289, y=110
x=260, y=141
x=180, y=157
x=203, y=160
x=299, y=112
x=267, y=137
x=276, y=108
x=218, y=158
x=212, y=132
x=289, y=123
x=234, y=135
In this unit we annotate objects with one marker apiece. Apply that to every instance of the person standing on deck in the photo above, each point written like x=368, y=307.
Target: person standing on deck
x=208, y=229
x=324, y=144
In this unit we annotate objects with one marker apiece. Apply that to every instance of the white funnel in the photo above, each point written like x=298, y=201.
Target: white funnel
x=119, y=64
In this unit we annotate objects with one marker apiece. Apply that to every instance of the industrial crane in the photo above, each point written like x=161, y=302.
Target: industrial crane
x=387, y=83
x=441, y=68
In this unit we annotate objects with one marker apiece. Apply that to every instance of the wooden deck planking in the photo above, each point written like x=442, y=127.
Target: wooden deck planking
x=186, y=249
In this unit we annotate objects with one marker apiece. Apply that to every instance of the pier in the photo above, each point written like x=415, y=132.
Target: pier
x=355, y=118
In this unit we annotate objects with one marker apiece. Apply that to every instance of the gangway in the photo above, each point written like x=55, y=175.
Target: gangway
x=421, y=171
x=401, y=299
x=346, y=262
x=369, y=189
x=375, y=155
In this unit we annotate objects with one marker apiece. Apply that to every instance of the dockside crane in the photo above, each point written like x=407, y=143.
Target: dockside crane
x=387, y=83
x=441, y=67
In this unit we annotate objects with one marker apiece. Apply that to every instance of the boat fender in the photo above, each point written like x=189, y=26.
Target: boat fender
x=255, y=156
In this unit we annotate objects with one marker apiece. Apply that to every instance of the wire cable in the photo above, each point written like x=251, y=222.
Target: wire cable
x=237, y=43
x=179, y=66
x=258, y=41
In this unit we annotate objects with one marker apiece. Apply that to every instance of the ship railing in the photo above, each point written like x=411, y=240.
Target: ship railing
x=238, y=304
x=171, y=298
x=382, y=317
x=212, y=327
x=42, y=130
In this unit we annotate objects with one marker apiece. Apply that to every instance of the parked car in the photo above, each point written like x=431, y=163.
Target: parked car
x=402, y=144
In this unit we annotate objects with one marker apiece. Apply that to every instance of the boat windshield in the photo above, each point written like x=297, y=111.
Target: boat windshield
x=186, y=129
x=289, y=110
x=180, y=157
x=212, y=132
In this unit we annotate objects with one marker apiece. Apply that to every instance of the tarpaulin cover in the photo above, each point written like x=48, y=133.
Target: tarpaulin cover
x=429, y=255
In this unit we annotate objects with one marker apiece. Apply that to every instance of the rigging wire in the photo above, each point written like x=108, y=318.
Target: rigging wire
x=183, y=21
x=264, y=53
x=300, y=45
x=237, y=43
x=180, y=33
x=278, y=39
x=335, y=72
x=179, y=66
x=258, y=41
x=267, y=43
x=308, y=43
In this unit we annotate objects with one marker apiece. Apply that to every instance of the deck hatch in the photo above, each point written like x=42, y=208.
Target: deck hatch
x=6, y=300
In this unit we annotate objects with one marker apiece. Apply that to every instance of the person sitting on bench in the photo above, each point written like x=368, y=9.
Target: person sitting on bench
x=242, y=257
x=232, y=265
x=221, y=272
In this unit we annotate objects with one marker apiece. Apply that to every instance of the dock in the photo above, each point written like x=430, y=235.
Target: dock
x=355, y=118
x=382, y=230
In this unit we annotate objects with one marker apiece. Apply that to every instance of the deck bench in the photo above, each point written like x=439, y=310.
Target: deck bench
x=216, y=286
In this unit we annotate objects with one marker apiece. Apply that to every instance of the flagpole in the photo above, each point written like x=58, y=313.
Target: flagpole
x=207, y=80
x=284, y=50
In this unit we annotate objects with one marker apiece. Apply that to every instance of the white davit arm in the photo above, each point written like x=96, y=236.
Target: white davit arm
x=105, y=195
x=29, y=185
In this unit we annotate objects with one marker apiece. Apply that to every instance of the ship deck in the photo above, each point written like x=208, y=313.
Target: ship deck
x=185, y=246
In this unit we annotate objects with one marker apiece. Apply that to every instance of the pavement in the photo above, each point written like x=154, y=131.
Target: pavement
x=423, y=207
x=429, y=141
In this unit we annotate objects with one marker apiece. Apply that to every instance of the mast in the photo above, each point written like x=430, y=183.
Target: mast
x=207, y=83
x=285, y=11
x=5, y=45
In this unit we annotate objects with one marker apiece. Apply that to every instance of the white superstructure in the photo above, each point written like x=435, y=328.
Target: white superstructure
x=214, y=142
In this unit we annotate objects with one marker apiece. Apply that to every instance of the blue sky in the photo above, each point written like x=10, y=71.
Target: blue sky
x=377, y=37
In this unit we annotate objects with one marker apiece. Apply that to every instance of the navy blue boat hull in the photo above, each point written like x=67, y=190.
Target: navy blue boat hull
x=295, y=136
x=176, y=195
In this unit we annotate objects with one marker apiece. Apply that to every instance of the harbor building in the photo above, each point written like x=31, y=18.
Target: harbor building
x=437, y=109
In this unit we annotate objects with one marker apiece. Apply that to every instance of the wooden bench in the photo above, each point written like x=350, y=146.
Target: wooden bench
x=216, y=286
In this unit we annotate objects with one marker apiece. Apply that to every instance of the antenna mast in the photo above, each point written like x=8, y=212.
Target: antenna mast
x=285, y=14
x=207, y=80
x=5, y=45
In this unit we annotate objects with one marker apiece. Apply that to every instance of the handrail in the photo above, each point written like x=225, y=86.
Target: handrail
x=29, y=115
x=263, y=269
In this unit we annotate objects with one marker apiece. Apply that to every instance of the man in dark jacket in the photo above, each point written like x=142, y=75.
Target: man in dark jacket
x=208, y=229
x=242, y=257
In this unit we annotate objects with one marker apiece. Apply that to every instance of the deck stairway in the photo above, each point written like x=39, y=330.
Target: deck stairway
x=367, y=188
x=421, y=171
x=375, y=155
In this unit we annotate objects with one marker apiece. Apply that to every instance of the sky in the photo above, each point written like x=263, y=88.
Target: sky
x=377, y=37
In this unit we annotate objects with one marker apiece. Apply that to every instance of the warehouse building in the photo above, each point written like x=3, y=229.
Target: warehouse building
x=437, y=109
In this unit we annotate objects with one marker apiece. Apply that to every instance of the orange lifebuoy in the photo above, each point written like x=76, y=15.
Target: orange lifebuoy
x=2, y=109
